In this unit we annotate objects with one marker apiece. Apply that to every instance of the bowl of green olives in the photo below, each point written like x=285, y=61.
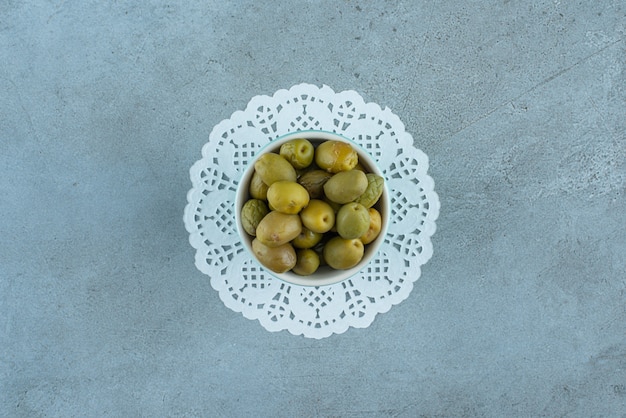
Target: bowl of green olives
x=312, y=208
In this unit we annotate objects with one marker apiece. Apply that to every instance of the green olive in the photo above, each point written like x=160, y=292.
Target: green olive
x=278, y=259
x=336, y=156
x=273, y=167
x=341, y=253
x=353, y=220
x=313, y=181
x=251, y=214
x=257, y=189
x=278, y=228
x=307, y=238
x=374, y=190
x=346, y=186
x=299, y=152
x=287, y=196
x=318, y=216
x=374, y=229
x=307, y=262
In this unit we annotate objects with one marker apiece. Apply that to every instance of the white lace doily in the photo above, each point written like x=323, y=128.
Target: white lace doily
x=243, y=285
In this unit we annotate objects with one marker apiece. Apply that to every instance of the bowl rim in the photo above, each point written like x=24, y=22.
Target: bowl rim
x=372, y=248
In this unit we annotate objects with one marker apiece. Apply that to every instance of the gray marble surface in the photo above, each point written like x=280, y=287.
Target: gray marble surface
x=520, y=105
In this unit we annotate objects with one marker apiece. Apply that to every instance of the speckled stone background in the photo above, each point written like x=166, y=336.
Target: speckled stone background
x=520, y=105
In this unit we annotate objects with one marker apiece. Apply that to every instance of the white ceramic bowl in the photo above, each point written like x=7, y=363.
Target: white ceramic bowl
x=324, y=275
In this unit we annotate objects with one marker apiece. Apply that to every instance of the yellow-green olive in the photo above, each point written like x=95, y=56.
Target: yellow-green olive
x=374, y=190
x=374, y=229
x=299, y=152
x=353, y=220
x=307, y=262
x=287, y=196
x=272, y=168
x=346, y=186
x=278, y=228
x=278, y=259
x=251, y=214
x=341, y=253
x=336, y=156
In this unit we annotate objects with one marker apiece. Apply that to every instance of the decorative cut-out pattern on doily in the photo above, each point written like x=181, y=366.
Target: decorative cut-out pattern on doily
x=314, y=312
